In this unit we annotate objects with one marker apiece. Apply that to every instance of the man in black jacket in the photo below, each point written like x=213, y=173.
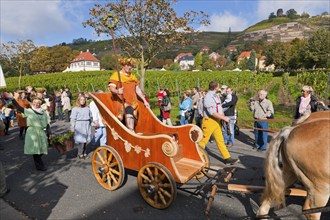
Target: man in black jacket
x=230, y=112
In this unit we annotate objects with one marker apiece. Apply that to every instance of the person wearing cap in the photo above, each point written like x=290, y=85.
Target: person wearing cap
x=126, y=90
x=21, y=121
x=212, y=115
x=38, y=122
x=223, y=93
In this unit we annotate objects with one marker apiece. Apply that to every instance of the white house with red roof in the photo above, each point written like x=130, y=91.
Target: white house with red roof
x=85, y=61
x=245, y=55
x=185, y=60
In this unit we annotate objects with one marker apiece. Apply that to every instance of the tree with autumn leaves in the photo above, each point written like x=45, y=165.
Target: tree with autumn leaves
x=144, y=28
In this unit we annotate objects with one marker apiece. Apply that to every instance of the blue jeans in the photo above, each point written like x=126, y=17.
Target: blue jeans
x=59, y=113
x=229, y=139
x=100, y=135
x=261, y=137
x=183, y=120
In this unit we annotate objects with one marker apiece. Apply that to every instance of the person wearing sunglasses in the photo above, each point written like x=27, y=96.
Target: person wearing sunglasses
x=306, y=103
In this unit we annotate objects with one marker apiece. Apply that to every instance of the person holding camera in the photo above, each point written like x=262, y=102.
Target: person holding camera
x=306, y=103
x=262, y=109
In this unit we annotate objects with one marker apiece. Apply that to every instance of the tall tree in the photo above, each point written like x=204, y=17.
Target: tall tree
x=40, y=61
x=291, y=13
x=271, y=15
x=144, y=27
x=108, y=62
x=54, y=59
x=198, y=60
x=251, y=63
x=297, y=54
x=19, y=55
x=317, y=49
x=278, y=53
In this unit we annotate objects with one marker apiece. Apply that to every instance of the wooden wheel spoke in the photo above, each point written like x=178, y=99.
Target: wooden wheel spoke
x=165, y=185
x=100, y=157
x=156, y=198
x=115, y=172
x=113, y=178
x=161, y=197
x=145, y=178
x=166, y=193
x=109, y=158
x=97, y=163
x=113, y=164
x=162, y=176
x=144, y=185
x=105, y=154
x=156, y=173
x=108, y=178
x=150, y=173
x=103, y=177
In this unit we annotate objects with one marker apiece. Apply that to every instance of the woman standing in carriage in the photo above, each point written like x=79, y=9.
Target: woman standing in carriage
x=125, y=88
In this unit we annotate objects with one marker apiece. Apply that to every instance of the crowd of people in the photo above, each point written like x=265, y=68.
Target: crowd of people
x=214, y=111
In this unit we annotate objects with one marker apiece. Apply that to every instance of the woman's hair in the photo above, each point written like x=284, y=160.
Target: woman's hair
x=168, y=93
x=187, y=93
x=78, y=101
x=309, y=89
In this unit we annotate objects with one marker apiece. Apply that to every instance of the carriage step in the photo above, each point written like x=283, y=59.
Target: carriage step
x=187, y=168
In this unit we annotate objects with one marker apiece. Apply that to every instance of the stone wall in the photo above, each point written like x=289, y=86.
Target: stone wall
x=283, y=32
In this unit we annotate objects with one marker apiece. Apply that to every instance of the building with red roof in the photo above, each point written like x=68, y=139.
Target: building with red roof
x=244, y=55
x=85, y=61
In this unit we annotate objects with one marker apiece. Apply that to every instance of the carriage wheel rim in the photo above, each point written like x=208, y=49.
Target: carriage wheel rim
x=108, y=167
x=157, y=185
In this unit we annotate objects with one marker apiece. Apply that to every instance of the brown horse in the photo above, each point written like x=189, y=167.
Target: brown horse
x=313, y=116
x=299, y=153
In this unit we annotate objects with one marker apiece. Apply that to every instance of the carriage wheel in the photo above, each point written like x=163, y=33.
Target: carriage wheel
x=157, y=185
x=108, y=167
x=206, y=160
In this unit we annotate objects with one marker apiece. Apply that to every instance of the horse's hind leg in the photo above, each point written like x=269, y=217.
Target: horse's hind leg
x=315, y=200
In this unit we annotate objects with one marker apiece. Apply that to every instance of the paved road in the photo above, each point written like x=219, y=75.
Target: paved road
x=68, y=189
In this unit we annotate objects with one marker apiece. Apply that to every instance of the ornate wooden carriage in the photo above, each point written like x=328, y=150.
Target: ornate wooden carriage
x=164, y=156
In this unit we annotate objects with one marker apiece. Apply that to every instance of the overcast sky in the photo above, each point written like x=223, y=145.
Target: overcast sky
x=51, y=22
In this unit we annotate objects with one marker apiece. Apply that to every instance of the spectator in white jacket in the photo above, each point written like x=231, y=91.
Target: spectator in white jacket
x=66, y=106
x=100, y=136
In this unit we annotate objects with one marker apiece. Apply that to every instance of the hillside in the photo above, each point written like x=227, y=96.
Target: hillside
x=214, y=40
x=283, y=29
x=280, y=28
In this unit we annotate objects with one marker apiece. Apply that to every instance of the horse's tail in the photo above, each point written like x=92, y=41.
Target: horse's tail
x=275, y=185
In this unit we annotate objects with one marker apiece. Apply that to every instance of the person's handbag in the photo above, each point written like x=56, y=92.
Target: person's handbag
x=168, y=107
x=187, y=114
x=268, y=117
x=271, y=116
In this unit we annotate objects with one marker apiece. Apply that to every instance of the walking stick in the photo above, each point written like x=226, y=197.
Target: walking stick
x=112, y=27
